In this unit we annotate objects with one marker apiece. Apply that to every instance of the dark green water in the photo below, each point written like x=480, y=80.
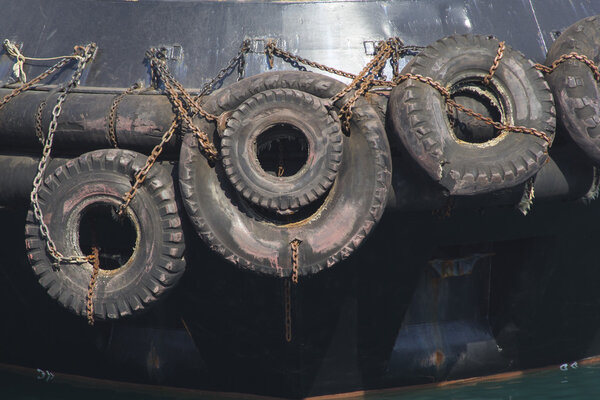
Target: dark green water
x=582, y=382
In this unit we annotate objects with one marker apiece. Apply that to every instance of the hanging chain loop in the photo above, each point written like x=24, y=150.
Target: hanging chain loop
x=495, y=64
x=86, y=54
x=175, y=91
x=94, y=258
x=579, y=57
x=112, y=113
x=140, y=176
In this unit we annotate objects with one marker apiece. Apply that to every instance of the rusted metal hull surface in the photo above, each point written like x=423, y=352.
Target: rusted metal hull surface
x=475, y=289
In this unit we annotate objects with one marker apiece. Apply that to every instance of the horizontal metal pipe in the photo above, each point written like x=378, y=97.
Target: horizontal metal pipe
x=566, y=176
x=83, y=123
x=18, y=171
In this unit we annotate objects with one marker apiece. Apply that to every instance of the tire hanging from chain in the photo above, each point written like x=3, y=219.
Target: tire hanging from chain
x=464, y=158
x=574, y=77
x=256, y=239
x=140, y=252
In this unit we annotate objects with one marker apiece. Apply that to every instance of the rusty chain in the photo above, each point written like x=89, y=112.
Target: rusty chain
x=295, y=245
x=495, y=64
x=391, y=49
x=365, y=78
x=579, y=57
x=94, y=258
x=238, y=61
x=271, y=50
x=160, y=71
x=87, y=54
x=35, y=80
x=158, y=64
x=39, y=130
x=112, y=113
x=140, y=176
x=287, y=288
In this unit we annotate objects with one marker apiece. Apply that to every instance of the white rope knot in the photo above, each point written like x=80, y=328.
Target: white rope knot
x=18, y=68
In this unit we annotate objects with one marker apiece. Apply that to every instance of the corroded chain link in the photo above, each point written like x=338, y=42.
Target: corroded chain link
x=287, y=288
x=449, y=101
x=272, y=50
x=140, y=176
x=391, y=49
x=35, y=80
x=365, y=78
x=39, y=130
x=173, y=84
x=495, y=64
x=579, y=57
x=87, y=54
x=295, y=245
x=94, y=258
x=158, y=65
x=498, y=125
x=112, y=113
x=174, y=89
x=238, y=61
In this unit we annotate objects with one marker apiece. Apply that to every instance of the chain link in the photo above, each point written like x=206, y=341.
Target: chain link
x=87, y=54
x=579, y=57
x=295, y=245
x=39, y=130
x=495, y=64
x=112, y=113
x=158, y=65
x=271, y=50
x=366, y=79
x=449, y=101
x=174, y=90
x=140, y=176
x=239, y=60
x=287, y=289
x=35, y=80
x=392, y=49
x=94, y=258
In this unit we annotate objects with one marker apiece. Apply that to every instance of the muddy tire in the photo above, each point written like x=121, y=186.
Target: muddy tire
x=141, y=255
x=576, y=92
x=273, y=118
x=329, y=230
x=484, y=160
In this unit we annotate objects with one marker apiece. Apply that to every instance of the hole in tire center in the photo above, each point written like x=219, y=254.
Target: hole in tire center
x=482, y=101
x=282, y=150
x=115, y=237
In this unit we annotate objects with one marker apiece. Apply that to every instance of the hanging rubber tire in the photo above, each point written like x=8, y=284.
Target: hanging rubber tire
x=282, y=117
x=483, y=160
x=329, y=230
x=576, y=92
x=141, y=255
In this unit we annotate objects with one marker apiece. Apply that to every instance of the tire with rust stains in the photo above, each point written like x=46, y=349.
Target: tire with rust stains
x=309, y=141
x=575, y=89
x=463, y=155
x=141, y=255
x=329, y=229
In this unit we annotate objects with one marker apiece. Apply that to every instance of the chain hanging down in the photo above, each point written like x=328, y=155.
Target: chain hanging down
x=287, y=289
x=85, y=55
x=160, y=71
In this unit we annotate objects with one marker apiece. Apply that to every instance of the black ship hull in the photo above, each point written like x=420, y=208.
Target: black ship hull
x=472, y=289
